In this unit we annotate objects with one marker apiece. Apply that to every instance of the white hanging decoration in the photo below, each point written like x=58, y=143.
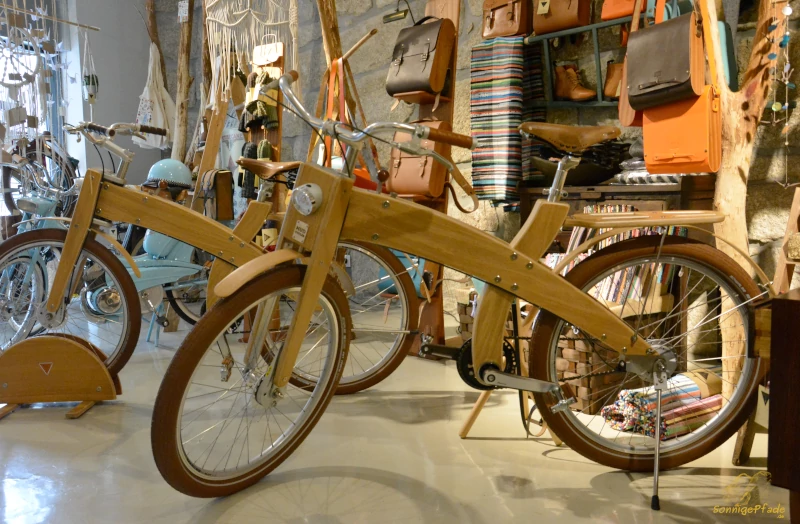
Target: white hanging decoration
x=156, y=107
x=91, y=84
x=183, y=11
x=235, y=27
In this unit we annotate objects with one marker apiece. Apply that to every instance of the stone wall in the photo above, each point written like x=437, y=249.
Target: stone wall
x=768, y=203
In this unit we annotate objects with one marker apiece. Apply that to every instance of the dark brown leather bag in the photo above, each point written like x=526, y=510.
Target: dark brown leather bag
x=550, y=16
x=679, y=72
x=216, y=187
x=421, y=57
x=506, y=18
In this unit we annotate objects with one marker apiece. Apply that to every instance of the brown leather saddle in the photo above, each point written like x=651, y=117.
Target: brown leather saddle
x=266, y=169
x=569, y=139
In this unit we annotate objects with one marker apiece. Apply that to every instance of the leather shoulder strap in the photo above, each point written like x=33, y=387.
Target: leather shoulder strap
x=461, y=180
x=712, y=57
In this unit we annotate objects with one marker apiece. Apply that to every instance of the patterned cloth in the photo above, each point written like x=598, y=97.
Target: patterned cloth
x=505, y=74
x=682, y=409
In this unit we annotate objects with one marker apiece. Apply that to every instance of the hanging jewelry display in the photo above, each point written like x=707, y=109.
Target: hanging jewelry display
x=781, y=71
x=235, y=27
x=91, y=85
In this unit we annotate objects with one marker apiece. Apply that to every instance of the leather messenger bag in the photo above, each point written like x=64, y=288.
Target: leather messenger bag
x=679, y=71
x=421, y=57
x=506, y=18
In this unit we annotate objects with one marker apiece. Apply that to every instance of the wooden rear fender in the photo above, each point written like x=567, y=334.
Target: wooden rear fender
x=256, y=267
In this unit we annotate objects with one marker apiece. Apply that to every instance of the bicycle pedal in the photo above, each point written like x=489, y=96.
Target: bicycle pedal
x=434, y=350
x=563, y=405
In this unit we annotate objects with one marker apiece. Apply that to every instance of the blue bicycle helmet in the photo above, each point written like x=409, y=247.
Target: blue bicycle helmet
x=173, y=172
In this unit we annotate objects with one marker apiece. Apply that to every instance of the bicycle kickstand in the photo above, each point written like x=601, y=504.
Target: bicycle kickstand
x=660, y=384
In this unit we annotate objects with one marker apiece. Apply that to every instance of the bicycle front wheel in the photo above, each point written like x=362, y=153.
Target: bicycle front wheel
x=217, y=425
x=103, y=305
x=690, y=301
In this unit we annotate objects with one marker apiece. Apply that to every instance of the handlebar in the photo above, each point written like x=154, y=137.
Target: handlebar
x=152, y=130
x=96, y=128
x=336, y=129
x=448, y=137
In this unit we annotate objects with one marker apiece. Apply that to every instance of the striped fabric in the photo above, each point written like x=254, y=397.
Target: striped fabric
x=683, y=410
x=504, y=74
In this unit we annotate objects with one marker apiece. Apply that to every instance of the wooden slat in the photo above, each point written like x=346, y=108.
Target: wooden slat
x=411, y=228
x=127, y=205
x=338, y=191
x=76, y=236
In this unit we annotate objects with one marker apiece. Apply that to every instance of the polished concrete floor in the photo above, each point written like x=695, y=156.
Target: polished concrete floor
x=391, y=454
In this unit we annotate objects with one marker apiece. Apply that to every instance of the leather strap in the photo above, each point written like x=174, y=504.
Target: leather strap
x=459, y=178
x=712, y=57
x=661, y=5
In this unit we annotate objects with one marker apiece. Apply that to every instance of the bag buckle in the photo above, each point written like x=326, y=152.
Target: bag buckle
x=427, y=53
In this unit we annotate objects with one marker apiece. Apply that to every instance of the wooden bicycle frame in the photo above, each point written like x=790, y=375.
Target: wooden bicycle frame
x=348, y=213
x=107, y=200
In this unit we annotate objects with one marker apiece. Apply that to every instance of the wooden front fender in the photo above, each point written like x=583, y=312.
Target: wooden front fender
x=231, y=284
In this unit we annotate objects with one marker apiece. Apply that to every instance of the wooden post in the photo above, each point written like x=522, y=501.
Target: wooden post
x=182, y=93
x=152, y=30
x=741, y=115
x=206, y=58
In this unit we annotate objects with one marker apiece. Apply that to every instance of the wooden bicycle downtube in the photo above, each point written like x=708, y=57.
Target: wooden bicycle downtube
x=532, y=240
x=79, y=228
x=324, y=228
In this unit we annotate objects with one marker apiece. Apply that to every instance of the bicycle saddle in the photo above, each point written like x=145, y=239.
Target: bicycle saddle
x=266, y=169
x=570, y=139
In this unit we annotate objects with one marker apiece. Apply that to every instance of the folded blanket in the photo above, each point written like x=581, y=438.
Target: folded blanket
x=683, y=409
x=634, y=409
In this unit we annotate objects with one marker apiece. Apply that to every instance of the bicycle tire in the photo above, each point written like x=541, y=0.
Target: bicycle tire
x=401, y=349
x=96, y=251
x=176, y=306
x=545, y=328
x=166, y=437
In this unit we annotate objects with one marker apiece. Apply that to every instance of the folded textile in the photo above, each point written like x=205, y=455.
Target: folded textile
x=634, y=409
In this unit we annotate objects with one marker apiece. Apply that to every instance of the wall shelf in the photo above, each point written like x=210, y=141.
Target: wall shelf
x=548, y=85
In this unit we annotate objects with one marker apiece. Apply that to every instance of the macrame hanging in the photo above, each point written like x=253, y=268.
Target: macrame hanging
x=91, y=85
x=235, y=27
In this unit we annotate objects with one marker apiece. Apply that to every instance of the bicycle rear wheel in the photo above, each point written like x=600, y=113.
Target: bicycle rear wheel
x=217, y=428
x=690, y=301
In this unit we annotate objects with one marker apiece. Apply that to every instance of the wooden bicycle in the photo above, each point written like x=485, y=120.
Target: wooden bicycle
x=645, y=318
x=113, y=325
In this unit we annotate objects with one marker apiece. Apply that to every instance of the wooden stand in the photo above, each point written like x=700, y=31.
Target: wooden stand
x=55, y=368
x=431, y=322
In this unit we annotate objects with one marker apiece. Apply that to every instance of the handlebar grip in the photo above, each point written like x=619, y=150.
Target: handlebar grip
x=153, y=130
x=447, y=137
x=95, y=128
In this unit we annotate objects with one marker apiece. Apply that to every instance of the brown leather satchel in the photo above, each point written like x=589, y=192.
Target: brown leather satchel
x=679, y=72
x=506, y=18
x=216, y=188
x=412, y=175
x=421, y=57
x=550, y=16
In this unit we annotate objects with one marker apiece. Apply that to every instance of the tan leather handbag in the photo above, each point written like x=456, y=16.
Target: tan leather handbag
x=412, y=175
x=506, y=18
x=421, y=57
x=550, y=16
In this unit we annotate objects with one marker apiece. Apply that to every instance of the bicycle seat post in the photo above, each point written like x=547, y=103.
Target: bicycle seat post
x=556, y=191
